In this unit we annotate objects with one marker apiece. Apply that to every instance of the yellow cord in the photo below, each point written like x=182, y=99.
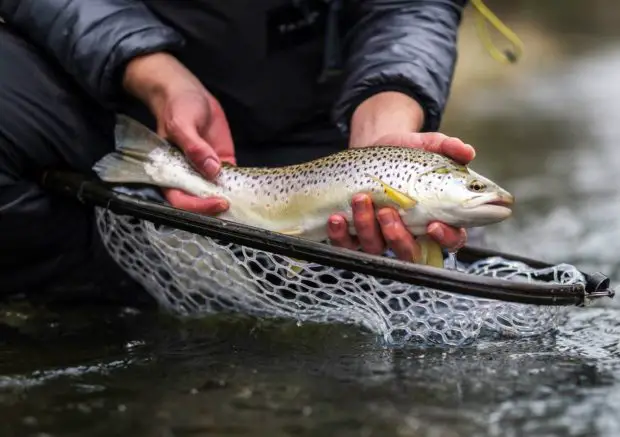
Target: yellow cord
x=508, y=56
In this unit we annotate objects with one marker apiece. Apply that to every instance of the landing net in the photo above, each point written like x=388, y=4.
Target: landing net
x=192, y=275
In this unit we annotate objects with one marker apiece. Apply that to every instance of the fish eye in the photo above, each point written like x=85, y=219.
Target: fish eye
x=476, y=186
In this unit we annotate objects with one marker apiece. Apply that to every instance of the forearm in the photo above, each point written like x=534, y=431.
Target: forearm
x=407, y=47
x=91, y=40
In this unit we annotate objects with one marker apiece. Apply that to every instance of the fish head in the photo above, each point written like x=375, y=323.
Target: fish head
x=458, y=196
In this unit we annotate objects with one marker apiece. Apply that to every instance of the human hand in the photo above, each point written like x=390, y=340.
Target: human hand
x=188, y=116
x=377, y=231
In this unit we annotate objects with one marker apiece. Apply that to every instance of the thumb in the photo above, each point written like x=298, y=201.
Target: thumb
x=435, y=142
x=198, y=151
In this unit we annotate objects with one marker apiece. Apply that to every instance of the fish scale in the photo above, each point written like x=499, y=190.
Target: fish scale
x=299, y=199
x=390, y=165
x=278, y=192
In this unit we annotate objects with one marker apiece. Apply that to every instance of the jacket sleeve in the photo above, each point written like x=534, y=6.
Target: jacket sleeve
x=91, y=39
x=401, y=45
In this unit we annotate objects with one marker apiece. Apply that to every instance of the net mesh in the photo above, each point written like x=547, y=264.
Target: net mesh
x=191, y=275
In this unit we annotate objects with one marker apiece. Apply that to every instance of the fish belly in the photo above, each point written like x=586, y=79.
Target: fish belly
x=296, y=213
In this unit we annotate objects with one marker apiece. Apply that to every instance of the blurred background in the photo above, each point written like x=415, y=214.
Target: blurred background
x=547, y=126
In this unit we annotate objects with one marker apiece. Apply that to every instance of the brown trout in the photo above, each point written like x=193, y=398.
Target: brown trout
x=298, y=199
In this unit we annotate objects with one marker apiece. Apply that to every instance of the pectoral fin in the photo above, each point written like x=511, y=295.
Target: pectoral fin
x=431, y=252
x=396, y=196
x=294, y=269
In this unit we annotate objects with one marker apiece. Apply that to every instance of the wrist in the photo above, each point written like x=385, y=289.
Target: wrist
x=153, y=78
x=384, y=113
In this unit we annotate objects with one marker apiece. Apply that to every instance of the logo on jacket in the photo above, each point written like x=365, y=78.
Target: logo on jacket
x=295, y=23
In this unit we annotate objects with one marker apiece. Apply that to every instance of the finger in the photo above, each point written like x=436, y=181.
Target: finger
x=396, y=235
x=435, y=142
x=425, y=140
x=208, y=206
x=447, y=236
x=366, y=225
x=455, y=149
x=198, y=151
x=338, y=233
x=218, y=132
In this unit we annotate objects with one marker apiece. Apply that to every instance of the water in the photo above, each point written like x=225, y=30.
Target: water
x=547, y=130
x=95, y=372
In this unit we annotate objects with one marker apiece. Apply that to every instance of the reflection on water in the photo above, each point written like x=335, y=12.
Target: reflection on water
x=546, y=129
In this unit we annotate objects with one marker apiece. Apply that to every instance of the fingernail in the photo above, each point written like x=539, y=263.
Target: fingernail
x=385, y=218
x=334, y=223
x=436, y=231
x=463, y=240
x=359, y=203
x=222, y=205
x=211, y=167
x=473, y=151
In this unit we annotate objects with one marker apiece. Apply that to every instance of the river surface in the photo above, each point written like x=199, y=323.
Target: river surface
x=548, y=129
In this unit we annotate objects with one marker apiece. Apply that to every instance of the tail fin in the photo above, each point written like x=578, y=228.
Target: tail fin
x=134, y=143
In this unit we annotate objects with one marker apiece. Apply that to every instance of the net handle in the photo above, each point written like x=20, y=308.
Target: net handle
x=91, y=191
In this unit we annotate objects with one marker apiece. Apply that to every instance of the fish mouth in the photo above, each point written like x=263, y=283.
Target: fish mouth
x=488, y=208
x=503, y=200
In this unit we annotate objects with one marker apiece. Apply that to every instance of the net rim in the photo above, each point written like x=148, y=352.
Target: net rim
x=91, y=191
